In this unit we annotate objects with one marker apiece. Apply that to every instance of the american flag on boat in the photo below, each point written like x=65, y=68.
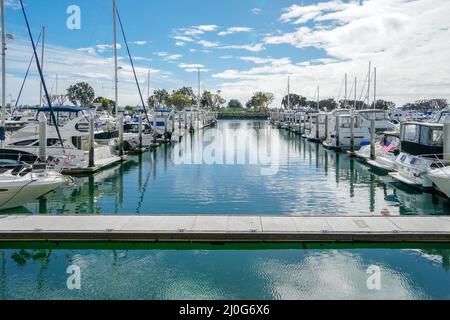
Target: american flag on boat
x=389, y=148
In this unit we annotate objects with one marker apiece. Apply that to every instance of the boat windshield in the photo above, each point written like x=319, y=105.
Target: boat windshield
x=374, y=115
x=411, y=133
x=444, y=117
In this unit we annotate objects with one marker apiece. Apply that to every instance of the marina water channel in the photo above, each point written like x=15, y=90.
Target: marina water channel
x=296, y=178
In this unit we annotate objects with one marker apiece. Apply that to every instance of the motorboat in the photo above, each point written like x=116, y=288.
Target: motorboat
x=386, y=152
x=340, y=137
x=421, y=152
x=73, y=125
x=23, y=183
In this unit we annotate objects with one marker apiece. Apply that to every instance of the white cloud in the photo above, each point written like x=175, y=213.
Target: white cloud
x=406, y=40
x=208, y=44
x=140, y=42
x=73, y=66
x=253, y=48
x=183, y=38
x=180, y=43
x=193, y=67
x=100, y=48
x=168, y=57
x=299, y=14
x=256, y=11
x=234, y=30
x=196, y=30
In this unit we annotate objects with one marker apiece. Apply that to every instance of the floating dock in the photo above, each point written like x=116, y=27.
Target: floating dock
x=225, y=229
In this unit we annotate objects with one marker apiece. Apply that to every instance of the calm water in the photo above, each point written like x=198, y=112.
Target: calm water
x=308, y=180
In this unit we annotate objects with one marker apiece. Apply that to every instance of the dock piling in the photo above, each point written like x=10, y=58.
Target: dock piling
x=372, y=140
x=120, y=121
x=140, y=132
x=338, y=128
x=42, y=137
x=352, y=133
x=91, y=142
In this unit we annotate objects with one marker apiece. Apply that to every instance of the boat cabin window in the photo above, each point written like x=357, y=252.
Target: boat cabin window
x=345, y=122
x=50, y=143
x=24, y=143
x=436, y=137
x=411, y=133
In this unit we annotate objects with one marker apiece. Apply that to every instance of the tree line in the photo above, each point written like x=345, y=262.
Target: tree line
x=82, y=94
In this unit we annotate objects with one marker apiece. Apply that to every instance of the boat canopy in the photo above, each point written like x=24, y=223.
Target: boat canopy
x=420, y=138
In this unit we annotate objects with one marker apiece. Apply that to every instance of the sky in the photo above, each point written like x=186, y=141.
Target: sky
x=241, y=46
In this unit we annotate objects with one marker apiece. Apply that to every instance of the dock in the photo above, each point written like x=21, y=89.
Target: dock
x=225, y=229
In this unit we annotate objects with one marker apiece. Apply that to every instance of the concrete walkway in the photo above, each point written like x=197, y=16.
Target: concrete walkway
x=225, y=228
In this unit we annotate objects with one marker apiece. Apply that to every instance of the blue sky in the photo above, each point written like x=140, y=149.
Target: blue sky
x=241, y=46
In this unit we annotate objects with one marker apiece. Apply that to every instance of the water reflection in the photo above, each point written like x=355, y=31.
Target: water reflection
x=310, y=180
x=204, y=274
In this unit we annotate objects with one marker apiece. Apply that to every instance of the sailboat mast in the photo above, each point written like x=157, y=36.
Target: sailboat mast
x=355, y=105
x=148, y=87
x=289, y=93
x=375, y=88
x=42, y=65
x=369, y=81
x=318, y=98
x=345, y=99
x=199, y=98
x=3, y=120
x=116, y=81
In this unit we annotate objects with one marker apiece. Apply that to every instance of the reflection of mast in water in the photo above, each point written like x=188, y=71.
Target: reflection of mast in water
x=310, y=154
x=91, y=187
x=165, y=157
x=42, y=205
x=326, y=162
x=143, y=189
x=337, y=167
x=43, y=275
x=121, y=184
x=140, y=171
x=372, y=193
x=153, y=161
x=352, y=178
x=317, y=156
x=304, y=149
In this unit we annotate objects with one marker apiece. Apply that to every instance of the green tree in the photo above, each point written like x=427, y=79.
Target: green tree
x=360, y=105
x=384, y=105
x=295, y=101
x=159, y=99
x=106, y=104
x=234, y=104
x=211, y=100
x=81, y=94
x=328, y=104
x=427, y=105
x=180, y=101
x=261, y=100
